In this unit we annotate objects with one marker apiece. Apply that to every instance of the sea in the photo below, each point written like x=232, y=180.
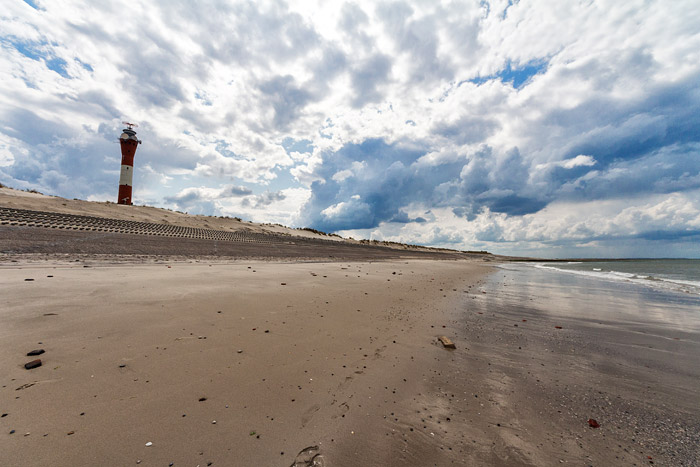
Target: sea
x=679, y=275
x=661, y=291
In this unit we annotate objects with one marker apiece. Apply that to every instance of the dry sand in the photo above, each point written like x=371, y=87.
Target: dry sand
x=324, y=359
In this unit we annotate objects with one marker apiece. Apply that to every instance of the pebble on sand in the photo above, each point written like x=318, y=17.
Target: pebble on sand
x=446, y=342
x=33, y=364
x=35, y=352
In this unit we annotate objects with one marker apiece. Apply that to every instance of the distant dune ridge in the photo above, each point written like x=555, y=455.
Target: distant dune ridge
x=82, y=215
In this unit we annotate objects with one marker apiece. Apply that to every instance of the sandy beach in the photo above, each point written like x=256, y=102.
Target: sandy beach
x=287, y=355
x=249, y=363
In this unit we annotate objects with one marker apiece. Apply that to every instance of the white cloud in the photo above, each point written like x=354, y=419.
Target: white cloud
x=578, y=161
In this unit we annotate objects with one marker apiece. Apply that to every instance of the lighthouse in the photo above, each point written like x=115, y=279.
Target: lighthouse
x=129, y=142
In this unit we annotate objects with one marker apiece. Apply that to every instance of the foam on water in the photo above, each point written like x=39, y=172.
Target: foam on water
x=650, y=280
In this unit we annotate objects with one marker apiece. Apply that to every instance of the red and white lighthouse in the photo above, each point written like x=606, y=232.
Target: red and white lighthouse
x=129, y=142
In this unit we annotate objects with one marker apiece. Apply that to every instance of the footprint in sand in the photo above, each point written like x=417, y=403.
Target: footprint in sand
x=308, y=415
x=343, y=409
x=309, y=457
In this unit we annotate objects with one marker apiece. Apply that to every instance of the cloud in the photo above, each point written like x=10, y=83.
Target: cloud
x=368, y=78
x=263, y=200
x=578, y=161
x=286, y=97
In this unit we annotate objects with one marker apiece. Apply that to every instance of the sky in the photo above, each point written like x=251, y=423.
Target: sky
x=542, y=128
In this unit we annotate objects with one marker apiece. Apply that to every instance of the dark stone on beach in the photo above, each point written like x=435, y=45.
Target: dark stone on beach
x=28, y=280
x=202, y=399
x=33, y=364
x=122, y=365
x=35, y=352
x=593, y=423
x=558, y=327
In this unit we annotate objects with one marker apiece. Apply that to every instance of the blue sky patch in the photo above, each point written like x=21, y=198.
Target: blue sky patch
x=39, y=51
x=517, y=76
x=297, y=145
x=58, y=65
x=33, y=4
x=84, y=65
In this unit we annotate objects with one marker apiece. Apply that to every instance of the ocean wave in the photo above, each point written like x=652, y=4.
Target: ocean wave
x=665, y=283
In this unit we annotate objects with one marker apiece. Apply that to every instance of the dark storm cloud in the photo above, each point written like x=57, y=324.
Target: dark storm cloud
x=675, y=168
x=386, y=179
x=390, y=177
x=497, y=182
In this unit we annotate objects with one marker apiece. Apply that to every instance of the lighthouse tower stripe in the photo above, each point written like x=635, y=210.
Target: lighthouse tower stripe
x=127, y=175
